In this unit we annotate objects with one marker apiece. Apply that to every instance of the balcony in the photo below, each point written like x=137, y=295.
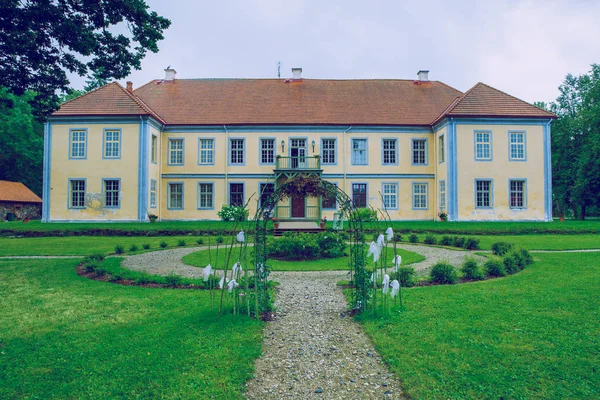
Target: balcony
x=290, y=166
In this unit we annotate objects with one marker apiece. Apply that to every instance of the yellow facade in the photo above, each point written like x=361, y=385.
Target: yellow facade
x=155, y=160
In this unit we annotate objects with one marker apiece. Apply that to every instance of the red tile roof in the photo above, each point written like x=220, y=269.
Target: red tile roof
x=16, y=191
x=485, y=101
x=112, y=99
x=309, y=101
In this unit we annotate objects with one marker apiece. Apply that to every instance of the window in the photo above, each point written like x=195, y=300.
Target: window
x=236, y=151
x=483, y=194
x=175, y=151
x=236, y=194
x=442, y=194
x=441, y=149
x=328, y=151
x=175, y=199
x=267, y=151
x=359, y=151
x=206, y=153
x=153, y=193
x=78, y=139
x=420, y=196
x=205, y=195
x=266, y=190
x=77, y=193
x=111, y=192
x=112, y=144
x=329, y=202
x=153, y=149
x=419, y=150
x=390, y=151
x=359, y=194
x=483, y=145
x=517, y=145
x=517, y=193
x=390, y=196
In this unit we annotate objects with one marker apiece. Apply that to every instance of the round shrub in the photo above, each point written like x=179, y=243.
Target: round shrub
x=133, y=247
x=413, y=238
x=397, y=237
x=446, y=241
x=119, y=249
x=307, y=246
x=494, y=268
x=405, y=276
x=200, y=241
x=430, y=239
x=219, y=239
x=471, y=244
x=145, y=246
x=233, y=213
x=501, y=248
x=471, y=270
x=511, y=265
x=443, y=273
x=458, y=241
x=181, y=243
x=163, y=244
x=527, y=257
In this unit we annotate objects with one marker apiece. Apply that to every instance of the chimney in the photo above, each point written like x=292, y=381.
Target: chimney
x=170, y=74
x=297, y=74
x=423, y=75
x=130, y=86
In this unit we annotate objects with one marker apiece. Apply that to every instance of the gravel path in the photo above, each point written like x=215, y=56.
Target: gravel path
x=164, y=262
x=434, y=254
x=314, y=350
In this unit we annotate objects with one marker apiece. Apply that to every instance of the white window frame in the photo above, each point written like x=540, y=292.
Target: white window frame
x=112, y=196
x=266, y=151
x=153, y=193
x=80, y=143
x=206, y=195
x=482, y=191
x=481, y=145
x=206, y=154
x=419, y=151
x=523, y=192
x=240, y=158
x=328, y=153
x=111, y=146
x=80, y=193
x=243, y=194
x=153, y=149
x=171, y=193
x=176, y=154
x=441, y=149
x=360, y=155
x=420, y=196
x=387, y=195
x=442, y=194
x=516, y=145
x=391, y=153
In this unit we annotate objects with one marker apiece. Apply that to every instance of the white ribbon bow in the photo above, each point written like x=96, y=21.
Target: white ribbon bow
x=396, y=261
x=207, y=271
x=386, y=284
x=240, y=237
x=232, y=284
x=395, y=286
x=222, y=281
x=237, y=268
x=390, y=234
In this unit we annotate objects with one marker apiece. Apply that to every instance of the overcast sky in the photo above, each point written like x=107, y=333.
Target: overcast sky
x=522, y=47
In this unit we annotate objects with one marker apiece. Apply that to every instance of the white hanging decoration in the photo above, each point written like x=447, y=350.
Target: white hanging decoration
x=240, y=237
x=376, y=253
x=390, y=234
x=380, y=241
x=374, y=276
x=222, y=281
x=207, y=271
x=231, y=285
x=386, y=284
x=260, y=268
x=395, y=287
x=372, y=248
x=396, y=261
x=237, y=268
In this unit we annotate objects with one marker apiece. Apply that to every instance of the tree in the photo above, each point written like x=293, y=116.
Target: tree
x=95, y=80
x=40, y=41
x=21, y=141
x=576, y=143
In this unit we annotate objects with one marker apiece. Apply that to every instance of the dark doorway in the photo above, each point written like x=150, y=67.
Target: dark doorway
x=297, y=207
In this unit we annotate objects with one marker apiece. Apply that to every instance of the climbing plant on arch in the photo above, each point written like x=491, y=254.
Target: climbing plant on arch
x=312, y=186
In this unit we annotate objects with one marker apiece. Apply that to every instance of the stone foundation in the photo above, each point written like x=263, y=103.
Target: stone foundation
x=21, y=210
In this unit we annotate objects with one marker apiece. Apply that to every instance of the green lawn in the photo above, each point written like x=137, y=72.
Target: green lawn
x=86, y=245
x=537, y=242
x=201, y=259
x=535, y=334
x=63, y=336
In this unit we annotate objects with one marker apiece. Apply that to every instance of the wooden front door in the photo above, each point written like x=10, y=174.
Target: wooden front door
x=297, y=207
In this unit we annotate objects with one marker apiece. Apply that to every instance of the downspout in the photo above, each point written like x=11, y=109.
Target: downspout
x=160, y=171
x=548, y=172
x=345, y=158
x=226, y=161
x=452, y=162
x=436, y=185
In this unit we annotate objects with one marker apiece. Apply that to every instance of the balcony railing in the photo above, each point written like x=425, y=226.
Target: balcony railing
x=298, y=163
x=310, y=212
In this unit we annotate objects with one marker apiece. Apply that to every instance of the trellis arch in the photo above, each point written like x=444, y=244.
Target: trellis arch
x=311, y=186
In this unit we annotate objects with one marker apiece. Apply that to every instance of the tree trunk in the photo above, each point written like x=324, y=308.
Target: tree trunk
x=582, y=213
